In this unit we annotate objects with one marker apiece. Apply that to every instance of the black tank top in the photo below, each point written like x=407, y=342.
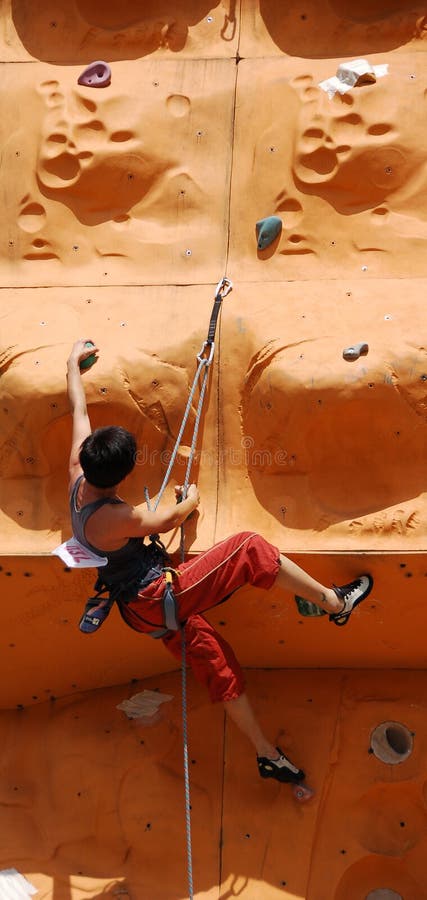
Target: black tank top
x=130, y=567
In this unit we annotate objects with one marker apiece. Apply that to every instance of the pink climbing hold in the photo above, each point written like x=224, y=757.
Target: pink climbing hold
x=97, y=74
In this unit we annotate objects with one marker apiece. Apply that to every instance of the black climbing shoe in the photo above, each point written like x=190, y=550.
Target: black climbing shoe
x=352, y=594
x=281, y=769
x=94, y=615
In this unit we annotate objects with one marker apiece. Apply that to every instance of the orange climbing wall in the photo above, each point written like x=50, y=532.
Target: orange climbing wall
x=122, y=208
x=44, y=655
x=95, y=809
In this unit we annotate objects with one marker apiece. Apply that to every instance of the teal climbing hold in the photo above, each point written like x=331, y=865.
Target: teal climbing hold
x=307, y=608
x=267, y=231
x=90, y=360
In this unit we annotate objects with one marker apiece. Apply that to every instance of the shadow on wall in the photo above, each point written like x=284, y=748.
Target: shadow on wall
x=62, y=890
x=346, y=176
x=359, y=152
x=320, y=447
x=126, y=30
x=147, y=395
x=348, y=28
x=118, y=178
x=100, y=171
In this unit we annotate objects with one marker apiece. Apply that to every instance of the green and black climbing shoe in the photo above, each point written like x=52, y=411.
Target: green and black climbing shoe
x=351, y=594
x=281, y=768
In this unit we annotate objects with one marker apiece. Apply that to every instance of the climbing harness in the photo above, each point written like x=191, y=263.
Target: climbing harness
x=171, y=621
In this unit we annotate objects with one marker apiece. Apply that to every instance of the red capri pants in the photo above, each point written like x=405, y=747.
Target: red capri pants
x=244, y=558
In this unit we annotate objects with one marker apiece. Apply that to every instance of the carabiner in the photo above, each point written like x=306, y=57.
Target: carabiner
x=224, y=286
x=206, y=359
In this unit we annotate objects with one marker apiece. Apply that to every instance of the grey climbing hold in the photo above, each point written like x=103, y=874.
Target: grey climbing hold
x=97, y=75
x=353, y=353
x=267, y=231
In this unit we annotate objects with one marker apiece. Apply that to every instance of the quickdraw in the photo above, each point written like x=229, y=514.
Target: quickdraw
x=204, y=359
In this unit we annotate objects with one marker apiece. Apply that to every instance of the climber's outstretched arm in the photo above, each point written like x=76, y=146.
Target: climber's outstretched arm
x=76, y=396
x=142, y=521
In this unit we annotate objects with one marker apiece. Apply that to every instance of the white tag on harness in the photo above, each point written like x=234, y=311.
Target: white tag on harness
x=74, y=555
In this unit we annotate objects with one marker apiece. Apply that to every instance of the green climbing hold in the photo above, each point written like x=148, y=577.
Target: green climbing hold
x=267, y=231
x=90, y=360
x=307, y=608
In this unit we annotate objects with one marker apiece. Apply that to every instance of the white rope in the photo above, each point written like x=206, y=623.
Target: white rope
x=184, y=654
x=186, y=769
x=223, y=288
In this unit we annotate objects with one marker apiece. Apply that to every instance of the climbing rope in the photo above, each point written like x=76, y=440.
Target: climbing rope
x=187, y=796
x=204, y=359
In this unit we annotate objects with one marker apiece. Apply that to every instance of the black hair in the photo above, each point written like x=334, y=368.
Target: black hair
x=107, y=456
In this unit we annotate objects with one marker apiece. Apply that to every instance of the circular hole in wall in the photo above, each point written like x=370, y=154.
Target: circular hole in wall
x=383, y=894
x=391, y=742
x=377, y=878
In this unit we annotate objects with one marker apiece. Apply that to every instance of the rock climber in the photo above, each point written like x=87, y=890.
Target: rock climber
x=100, y=460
